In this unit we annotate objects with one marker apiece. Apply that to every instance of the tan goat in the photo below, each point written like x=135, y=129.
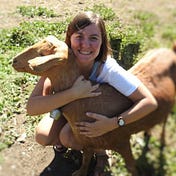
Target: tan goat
x=157, y=70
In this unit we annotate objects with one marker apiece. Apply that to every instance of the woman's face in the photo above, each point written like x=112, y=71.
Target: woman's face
x=86, y=44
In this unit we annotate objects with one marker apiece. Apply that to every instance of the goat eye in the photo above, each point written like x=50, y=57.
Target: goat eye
x=41, y=54
x=50, y=44
x=14, y=61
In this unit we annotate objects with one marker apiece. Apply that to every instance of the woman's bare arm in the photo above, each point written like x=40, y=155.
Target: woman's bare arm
x=42, y=99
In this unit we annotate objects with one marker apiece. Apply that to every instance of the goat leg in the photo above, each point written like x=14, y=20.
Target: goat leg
x=163, y=132
x=87, y=156
x=125, y=151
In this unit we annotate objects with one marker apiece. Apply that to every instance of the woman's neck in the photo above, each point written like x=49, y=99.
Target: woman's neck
x=85, y=70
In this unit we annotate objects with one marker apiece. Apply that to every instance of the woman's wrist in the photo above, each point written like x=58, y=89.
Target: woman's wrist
x=114, y=123
x=73, y=94
x=117, y=121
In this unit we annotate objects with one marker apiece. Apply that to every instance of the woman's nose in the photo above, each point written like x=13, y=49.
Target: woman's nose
x=85, y=43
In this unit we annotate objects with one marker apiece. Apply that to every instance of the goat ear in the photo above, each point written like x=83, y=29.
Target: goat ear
x=43, y=63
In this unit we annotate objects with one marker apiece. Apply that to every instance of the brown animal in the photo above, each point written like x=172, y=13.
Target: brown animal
x=157, y=70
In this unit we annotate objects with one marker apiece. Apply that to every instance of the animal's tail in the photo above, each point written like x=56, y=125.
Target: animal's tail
x=174, y=47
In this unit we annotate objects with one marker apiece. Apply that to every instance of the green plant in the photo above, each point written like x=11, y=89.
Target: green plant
x=14, y=92
x=169, y=33
x=126, y=44
x=30, y=32
x=147, y=22
x=32, y=11
x=105, y=12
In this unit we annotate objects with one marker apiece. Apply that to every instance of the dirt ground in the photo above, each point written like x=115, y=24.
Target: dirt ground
x=27, y=158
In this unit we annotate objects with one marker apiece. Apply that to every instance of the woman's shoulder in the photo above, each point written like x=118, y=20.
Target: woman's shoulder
x=110, y=63
x=110, y=59
x=109, y=66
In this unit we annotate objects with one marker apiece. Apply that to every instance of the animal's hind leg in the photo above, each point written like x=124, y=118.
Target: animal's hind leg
x=147, y=136
x=162, y=139
x=87, y=156
x=125, y=151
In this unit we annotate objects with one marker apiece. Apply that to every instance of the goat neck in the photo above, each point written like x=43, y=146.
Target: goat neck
x=64, y=74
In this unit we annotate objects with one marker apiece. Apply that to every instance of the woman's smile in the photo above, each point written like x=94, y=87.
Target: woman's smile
x=85, y=52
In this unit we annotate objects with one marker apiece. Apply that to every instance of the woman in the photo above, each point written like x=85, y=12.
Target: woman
x=86, y=36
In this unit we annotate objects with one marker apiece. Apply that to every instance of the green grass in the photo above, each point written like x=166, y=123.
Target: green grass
x=147, y=21
x=169, y=33
x=33, y=11
x=27, y=33
x=106, y=13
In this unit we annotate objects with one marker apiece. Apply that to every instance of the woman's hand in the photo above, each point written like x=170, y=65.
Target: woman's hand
x=101, y=125
x=83, y=88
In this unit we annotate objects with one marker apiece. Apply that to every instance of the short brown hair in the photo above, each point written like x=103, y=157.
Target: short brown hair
x=84, y=19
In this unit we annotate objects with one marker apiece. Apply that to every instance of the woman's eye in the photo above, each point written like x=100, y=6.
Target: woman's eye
x=94, y=38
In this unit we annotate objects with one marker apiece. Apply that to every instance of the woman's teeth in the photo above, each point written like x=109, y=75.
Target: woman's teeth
x=85, y=52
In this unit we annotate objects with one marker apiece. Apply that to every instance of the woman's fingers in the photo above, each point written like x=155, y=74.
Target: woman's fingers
x=83, y=88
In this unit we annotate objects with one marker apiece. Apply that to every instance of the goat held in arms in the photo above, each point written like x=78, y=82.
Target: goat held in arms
x=157, y=70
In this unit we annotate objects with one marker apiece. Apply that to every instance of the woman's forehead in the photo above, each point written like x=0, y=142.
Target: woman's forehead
x=90, y=29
